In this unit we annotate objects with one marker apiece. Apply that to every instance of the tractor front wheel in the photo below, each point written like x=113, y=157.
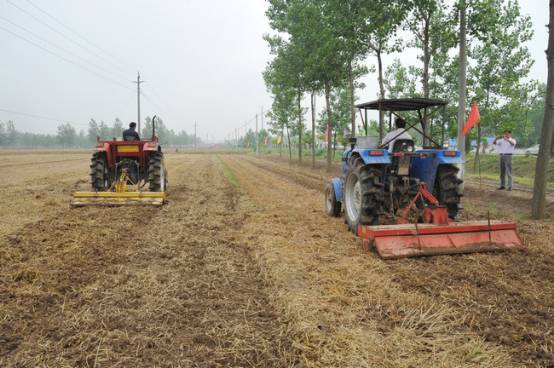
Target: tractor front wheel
x=157, y=173
x=363, y=194
x=332, y=206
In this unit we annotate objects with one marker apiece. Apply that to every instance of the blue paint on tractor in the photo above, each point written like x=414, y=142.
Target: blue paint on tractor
x=426, y=166
x=365, y=154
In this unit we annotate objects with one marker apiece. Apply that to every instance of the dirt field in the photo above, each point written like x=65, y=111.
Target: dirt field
x=243, y=269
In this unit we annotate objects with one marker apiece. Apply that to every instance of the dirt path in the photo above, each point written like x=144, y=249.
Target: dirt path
x=506, y=299
x=167, y=287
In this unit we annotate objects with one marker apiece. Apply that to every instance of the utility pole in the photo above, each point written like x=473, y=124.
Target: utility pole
x=262, y=117
x=138, y=82
x=195, y=135
x=257, y=140
x=462, y=85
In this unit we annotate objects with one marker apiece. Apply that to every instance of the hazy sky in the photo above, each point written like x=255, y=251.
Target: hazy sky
x=201, y=60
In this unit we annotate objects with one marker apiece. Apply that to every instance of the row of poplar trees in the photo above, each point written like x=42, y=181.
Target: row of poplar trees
x=321, y=47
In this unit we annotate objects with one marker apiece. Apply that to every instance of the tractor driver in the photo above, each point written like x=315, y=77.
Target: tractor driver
x=131, y=134
x=399, y=133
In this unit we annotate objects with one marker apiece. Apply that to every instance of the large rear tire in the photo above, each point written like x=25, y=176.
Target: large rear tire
x=157, y=173
x=363, y=194
x=99, y=175
x=447, y=185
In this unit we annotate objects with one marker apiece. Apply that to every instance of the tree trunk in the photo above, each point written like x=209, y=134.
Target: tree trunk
x=288, y=142
x=313, y=127
x=352, y=108
x=425, y=77
x=462, y=83
x=477, y=160
x=329, y=123
x=541, y=169
x=300, y=127
x=381, y=93
x=334, y=144
x=282, y=141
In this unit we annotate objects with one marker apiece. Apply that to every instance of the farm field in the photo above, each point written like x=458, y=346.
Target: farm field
x=243, y=269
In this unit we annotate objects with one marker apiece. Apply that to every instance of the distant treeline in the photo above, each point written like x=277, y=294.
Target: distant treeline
x=68, y=136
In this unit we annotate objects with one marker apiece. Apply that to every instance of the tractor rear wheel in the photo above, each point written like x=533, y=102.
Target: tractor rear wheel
x=99, y=175
x=447, y=185
x=157, y=174
x=363, y=194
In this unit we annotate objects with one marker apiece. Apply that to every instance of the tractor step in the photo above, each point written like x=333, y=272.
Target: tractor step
x=412, y=240
x=115, y=199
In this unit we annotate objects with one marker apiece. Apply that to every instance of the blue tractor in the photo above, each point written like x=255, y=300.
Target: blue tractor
x=380, y=179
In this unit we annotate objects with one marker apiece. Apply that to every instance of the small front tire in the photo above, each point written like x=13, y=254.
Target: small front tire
x=332, y=206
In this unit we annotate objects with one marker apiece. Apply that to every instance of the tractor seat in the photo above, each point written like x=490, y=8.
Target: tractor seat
x=401, y=163
x=403, y=145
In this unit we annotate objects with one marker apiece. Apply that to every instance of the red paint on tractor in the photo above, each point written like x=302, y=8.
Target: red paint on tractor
x=438, y=234
x=411, y=240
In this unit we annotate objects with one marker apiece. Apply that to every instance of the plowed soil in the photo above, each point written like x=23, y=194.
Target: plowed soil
x=243, y=269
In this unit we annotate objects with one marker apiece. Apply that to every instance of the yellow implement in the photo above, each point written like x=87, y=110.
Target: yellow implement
x=120, y=197
x=81, y=199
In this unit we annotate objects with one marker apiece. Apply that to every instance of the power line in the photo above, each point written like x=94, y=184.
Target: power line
x=161, y=102
x=52, y=44
x=248, y=122
x=54, y=29
x=155, y=104
x=63, y=58
x=41, y=117
x=76, y=33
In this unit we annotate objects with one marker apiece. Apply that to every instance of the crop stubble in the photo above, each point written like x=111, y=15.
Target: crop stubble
x=249, y=276
x=505, y=298
x=138, y=287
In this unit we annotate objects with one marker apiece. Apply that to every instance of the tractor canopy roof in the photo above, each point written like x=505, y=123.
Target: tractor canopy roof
x=401, y=104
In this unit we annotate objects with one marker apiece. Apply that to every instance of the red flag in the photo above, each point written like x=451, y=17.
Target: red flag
x=328, y=135
x=472, y=119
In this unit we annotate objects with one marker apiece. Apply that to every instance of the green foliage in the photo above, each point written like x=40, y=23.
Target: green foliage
x=322, y=46
x=340, y=107
x=68, y=137
x=399, y=81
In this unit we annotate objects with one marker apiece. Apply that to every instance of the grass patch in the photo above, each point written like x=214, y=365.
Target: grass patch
x=228, y=173
x=523, y=169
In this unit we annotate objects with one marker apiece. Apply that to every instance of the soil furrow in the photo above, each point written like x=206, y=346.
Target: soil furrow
x=344, y=305
x=140, y=286
x=516, y=288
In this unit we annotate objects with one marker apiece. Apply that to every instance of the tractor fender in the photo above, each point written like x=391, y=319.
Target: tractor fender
x=375, y=156
x=337, y=186
x=104, y=147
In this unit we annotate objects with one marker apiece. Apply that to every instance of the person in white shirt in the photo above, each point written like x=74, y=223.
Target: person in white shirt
x=506, y=146
x=399, y=133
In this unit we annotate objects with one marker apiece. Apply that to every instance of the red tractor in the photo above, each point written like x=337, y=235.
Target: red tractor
x=120, y=170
